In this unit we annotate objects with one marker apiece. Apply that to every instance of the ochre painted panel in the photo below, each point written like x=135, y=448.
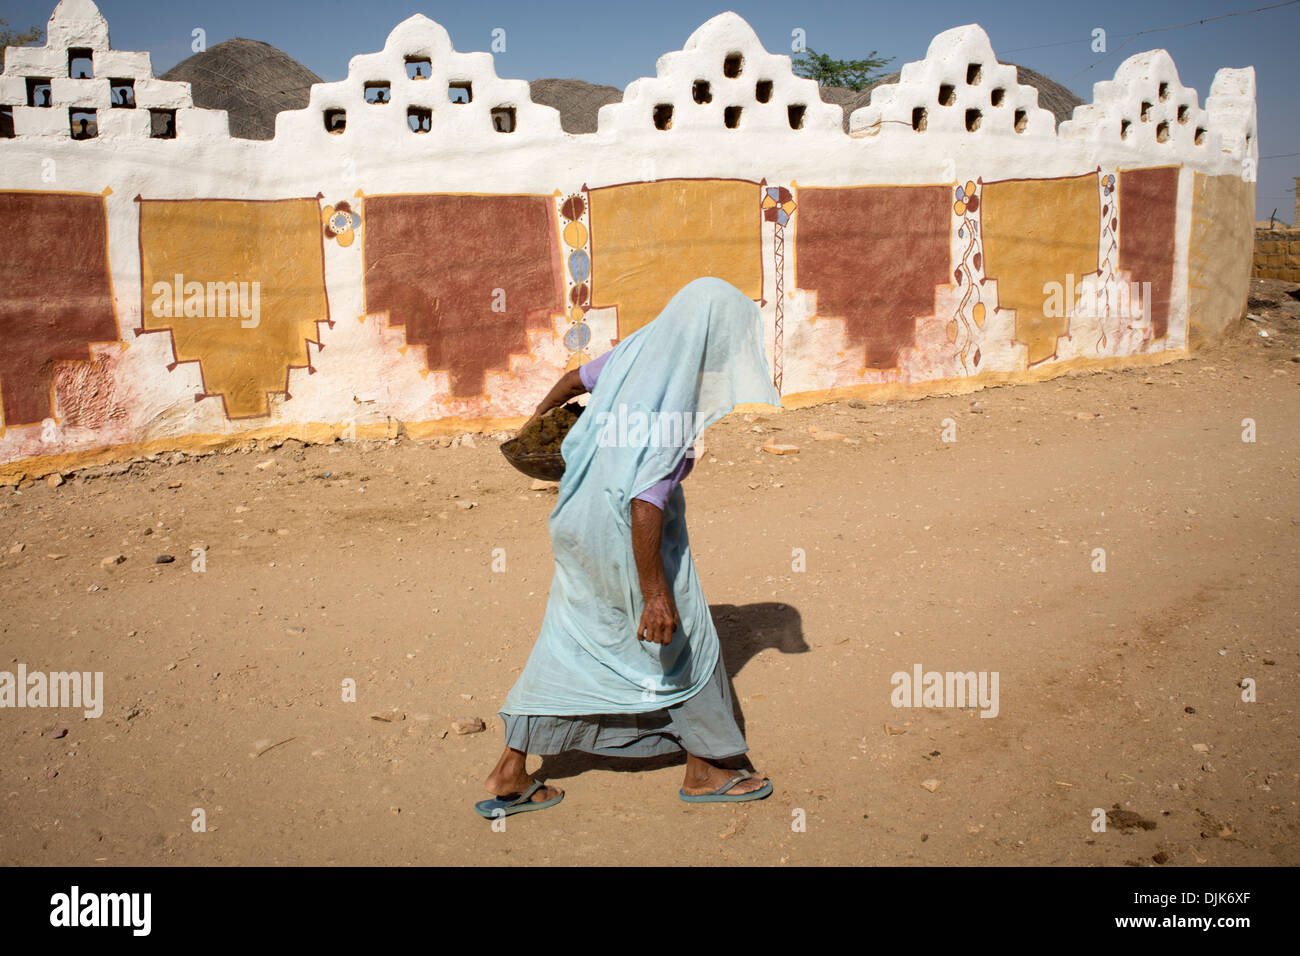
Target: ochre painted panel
x=205, y=263
x=1039, y=231
x=650, y=239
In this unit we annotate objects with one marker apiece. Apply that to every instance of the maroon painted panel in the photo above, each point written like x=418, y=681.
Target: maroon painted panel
x=56, y=296
x=433, y=263
x=1148, y=213
x=874, y=255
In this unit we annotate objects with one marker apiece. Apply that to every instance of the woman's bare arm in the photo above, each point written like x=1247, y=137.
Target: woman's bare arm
x=659, y=620
x=568, y=387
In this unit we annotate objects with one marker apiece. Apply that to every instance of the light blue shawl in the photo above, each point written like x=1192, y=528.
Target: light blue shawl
x=700, y=357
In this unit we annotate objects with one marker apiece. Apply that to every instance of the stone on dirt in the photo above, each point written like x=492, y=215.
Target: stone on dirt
x=468, y=725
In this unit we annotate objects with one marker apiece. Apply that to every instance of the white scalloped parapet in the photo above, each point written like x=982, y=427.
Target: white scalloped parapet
x=1147, y=109
x=456, y=99
x=1231, y=109
x=723, y=80
x=74, y=23
x=960, y=87
x=77, y=25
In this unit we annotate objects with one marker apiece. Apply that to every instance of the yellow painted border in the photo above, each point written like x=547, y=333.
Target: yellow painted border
x=960, y=385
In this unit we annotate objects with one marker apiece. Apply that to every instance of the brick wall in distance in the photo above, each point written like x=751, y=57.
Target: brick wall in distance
x=1277, y=254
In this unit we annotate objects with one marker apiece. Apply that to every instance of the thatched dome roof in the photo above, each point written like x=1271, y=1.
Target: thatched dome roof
x=1051, y=95
x=251, y=80
x=577, y=100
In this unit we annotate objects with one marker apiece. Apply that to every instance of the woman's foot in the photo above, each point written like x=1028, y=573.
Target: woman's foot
x=704, y=776
x=509, y=779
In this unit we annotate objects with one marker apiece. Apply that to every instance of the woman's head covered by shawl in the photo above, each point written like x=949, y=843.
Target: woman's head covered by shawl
x=666, y=383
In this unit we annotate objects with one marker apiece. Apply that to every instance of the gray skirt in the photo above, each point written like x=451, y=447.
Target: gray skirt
x=703, y=725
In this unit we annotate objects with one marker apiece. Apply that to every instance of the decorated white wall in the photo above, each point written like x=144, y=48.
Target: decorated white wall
x=443, y=278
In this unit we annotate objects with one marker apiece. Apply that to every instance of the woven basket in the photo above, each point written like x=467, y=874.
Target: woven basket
x=546, y=467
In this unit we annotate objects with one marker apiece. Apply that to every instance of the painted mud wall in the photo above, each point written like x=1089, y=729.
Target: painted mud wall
x=424, y=248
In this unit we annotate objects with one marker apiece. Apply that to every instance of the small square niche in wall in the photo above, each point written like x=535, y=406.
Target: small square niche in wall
x=39, y=91
x=460, y=91
x=162, y=124
x=503, y=119
x=378, y=91
x=419, y=119
x=81, y=64
x=418, y=67
x=121, y=94
x=83, y=123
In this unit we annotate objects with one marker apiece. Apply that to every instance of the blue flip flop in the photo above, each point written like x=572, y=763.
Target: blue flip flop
x=721, y=796
x=503, y=807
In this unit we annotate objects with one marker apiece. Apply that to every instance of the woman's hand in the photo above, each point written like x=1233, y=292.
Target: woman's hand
x=568, y=387
x=659, y=621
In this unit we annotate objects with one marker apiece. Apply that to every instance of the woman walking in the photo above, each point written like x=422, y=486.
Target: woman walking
x=628, y=663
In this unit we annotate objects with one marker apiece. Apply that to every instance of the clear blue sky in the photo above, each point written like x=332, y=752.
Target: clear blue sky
x=614, y=42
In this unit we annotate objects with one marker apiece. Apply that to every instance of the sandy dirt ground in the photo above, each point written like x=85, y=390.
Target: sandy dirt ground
x=1120, y=690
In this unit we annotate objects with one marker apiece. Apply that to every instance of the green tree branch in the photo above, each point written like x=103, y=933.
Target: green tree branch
x=14, y=38
x=854, y=74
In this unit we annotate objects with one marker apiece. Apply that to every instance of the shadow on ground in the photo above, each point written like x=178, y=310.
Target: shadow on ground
x=743, y=631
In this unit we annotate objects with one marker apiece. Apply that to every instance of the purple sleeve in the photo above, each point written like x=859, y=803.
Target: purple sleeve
x=590, y=371
x=658, y=493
